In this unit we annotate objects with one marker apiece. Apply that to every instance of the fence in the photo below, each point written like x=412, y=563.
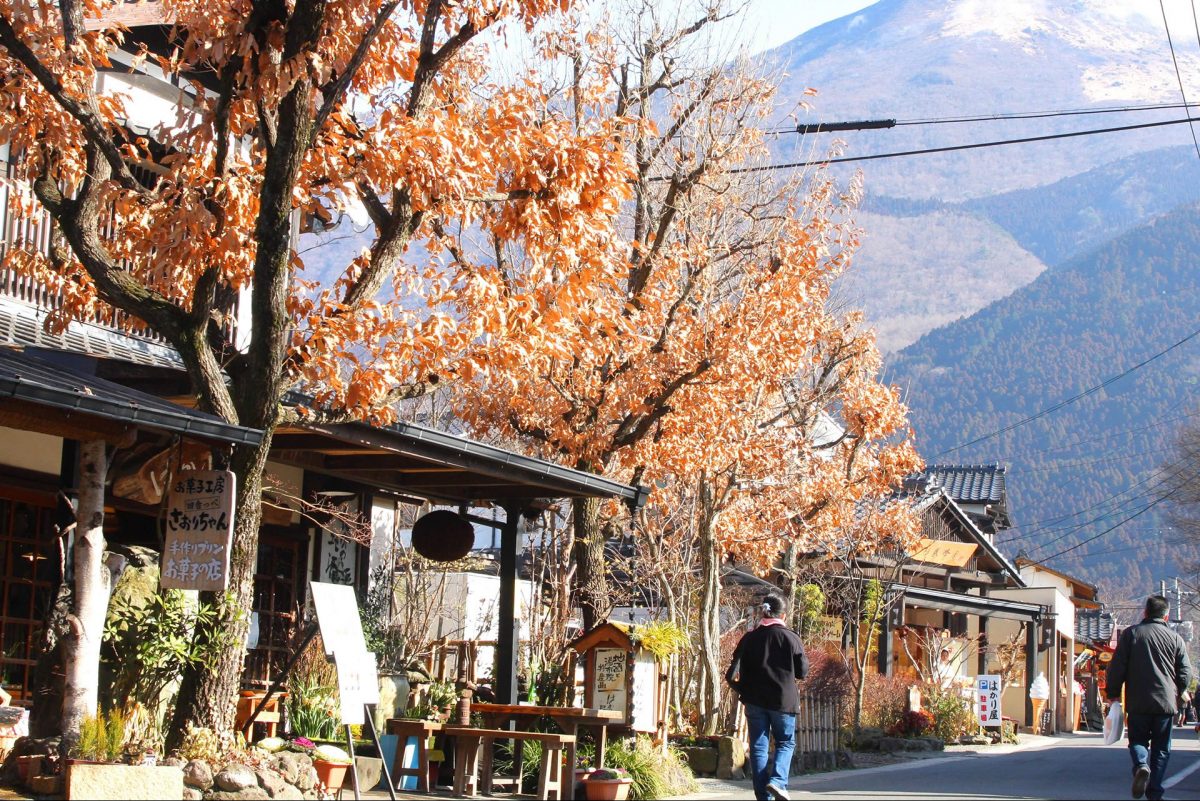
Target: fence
x=818, y=730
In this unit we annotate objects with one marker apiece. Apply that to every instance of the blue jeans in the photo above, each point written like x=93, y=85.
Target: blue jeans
x=1150, y=745
x=764, y=723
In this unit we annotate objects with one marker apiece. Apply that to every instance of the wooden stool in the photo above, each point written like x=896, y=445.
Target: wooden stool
x=467, y=782
x=269, y=716
x=405, y=728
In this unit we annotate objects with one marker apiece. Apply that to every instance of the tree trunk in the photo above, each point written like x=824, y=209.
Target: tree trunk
x=82, y=645
x=591, y=582
x=709, y=690
x=208, y=694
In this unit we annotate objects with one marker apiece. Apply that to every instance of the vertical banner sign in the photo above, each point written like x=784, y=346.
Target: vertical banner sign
x=987, y=700
x=199, y=530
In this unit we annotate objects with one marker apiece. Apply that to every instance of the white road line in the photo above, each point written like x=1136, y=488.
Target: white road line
x=1183, y=774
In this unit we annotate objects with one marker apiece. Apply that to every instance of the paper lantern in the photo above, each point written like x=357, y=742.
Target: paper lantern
x=443, y=536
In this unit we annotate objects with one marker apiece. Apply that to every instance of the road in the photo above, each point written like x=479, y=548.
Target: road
x=1073, y=767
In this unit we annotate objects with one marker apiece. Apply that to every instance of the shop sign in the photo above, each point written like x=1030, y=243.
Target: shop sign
x=987, y=700
x=199, y=530
x=944, y=552
x=609, y=678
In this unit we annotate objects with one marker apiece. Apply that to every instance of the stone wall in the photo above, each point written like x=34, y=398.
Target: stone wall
x=286, y=775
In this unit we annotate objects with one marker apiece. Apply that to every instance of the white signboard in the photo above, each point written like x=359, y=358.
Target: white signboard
x=645, y=682
x=199, y=530
x=609, y=678
x=358, y=684
x=987, y=700
x=342, y=633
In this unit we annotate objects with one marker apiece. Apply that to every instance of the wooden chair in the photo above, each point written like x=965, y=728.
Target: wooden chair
x=421, y=730
x=470, y=741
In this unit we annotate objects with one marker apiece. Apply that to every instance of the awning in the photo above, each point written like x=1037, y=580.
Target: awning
x=981, y=606
x=44, y=395
x=415, y=460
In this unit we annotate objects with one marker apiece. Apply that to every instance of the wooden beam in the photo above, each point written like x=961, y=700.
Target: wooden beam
x=58, y=423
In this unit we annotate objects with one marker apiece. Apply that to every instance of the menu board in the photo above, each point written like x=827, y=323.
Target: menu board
x=609, y=679
x=987, y=700
x=199, y=530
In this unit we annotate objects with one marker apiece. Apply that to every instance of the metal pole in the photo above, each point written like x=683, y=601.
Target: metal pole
x=1178, y=601
x=369, y=716
x=353, y=771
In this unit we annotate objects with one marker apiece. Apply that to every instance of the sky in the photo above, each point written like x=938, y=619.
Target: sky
x=770, y=23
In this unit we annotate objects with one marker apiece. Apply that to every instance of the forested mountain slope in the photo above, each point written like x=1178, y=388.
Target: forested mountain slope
x=1077, y=471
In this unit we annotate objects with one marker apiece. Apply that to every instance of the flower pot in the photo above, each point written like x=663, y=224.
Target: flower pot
x=607, y=789
x=331, y=774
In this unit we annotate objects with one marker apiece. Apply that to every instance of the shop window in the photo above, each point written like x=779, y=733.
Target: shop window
x=278, y=593
x=27, y=578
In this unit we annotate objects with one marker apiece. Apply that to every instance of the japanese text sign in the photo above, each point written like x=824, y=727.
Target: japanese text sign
x=944, y=552
x=987, y=700
x=199, y=530
x=609, y=678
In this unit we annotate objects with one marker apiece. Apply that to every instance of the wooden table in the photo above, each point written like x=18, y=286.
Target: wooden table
x=568, y=718
x=404, y=728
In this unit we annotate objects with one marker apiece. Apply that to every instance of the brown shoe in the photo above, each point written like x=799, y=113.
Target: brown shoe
x=1141, y=777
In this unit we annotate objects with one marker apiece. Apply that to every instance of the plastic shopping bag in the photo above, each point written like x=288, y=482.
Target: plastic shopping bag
x=1114, y=723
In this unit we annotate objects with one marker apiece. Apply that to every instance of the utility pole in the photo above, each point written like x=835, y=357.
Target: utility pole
x=1178, y=602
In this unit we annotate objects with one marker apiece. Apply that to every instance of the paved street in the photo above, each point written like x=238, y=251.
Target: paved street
x=1076, y=767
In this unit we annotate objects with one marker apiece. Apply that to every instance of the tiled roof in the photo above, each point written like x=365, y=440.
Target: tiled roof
x=21, y=324
x=1093, y=625
x=981, y=483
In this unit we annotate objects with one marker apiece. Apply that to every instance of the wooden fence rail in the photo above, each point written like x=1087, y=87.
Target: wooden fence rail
x=818, y=730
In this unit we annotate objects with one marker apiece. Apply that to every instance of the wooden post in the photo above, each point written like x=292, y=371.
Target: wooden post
x=506, y=639
x=1031, y=645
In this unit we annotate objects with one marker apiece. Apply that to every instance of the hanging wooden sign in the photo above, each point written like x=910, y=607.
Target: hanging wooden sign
x=199, y=530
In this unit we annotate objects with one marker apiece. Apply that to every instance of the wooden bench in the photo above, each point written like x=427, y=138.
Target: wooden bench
x=470, y=741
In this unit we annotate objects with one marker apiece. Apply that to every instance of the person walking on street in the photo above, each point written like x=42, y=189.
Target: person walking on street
x=766, y=665
x=1151, y=664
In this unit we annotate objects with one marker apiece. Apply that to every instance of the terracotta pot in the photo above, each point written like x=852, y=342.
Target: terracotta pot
x=607, y=789
x=331, y=774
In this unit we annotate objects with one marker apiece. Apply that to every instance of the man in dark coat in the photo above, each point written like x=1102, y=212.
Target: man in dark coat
x=1151, y=663
x=766, y=665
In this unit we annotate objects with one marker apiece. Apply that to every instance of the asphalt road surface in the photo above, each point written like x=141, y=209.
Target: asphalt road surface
x=1070, y=767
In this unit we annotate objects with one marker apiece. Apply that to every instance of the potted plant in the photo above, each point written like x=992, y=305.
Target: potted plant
x=608, y=784
x=443, y=697
x=332, y=764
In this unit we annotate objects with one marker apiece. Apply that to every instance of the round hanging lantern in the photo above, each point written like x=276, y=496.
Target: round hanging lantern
x=443, y=536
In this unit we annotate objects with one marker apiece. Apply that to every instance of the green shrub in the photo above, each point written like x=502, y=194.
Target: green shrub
x=654, y=774
x=953, y=715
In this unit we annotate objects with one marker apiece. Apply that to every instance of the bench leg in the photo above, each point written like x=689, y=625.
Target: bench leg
x=466, y=755
x=550, y=783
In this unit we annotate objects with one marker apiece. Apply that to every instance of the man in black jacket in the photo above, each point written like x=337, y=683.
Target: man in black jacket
x=766, y=664
x=1151, y=663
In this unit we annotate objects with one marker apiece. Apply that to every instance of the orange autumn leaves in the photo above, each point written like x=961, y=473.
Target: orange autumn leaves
x=418, y=137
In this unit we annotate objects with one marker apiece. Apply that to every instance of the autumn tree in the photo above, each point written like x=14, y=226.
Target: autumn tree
x=307, y=107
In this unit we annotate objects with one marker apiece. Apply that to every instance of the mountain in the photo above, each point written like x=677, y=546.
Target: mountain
x=946, y=234
x=1092, y=463
x=925, y=263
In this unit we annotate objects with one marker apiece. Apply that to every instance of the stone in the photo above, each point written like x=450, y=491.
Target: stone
x=173, y=762
x=192, y=794
x=369, y=770
x=270, y=781
x=308, y=777
x=701, y=759
x=235, y=777
x=891, y=745
x=288, y=765
x=254, y=793
x=731, y=758
x=289, y=792
x=124, y=781
x=198, y=773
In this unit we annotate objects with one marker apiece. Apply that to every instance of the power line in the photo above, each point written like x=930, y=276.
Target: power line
x=1178, y=75
x=1089, y=391
x=1113, y=527
x=947, y=149
x=996, y=117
